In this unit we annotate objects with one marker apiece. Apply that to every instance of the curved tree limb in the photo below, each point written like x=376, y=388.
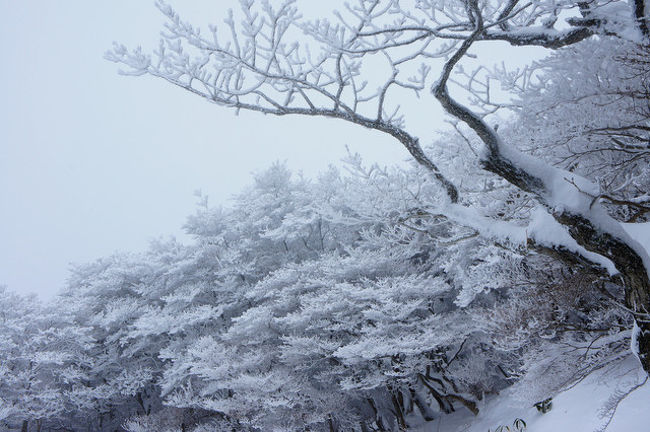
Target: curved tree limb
x=629, y=258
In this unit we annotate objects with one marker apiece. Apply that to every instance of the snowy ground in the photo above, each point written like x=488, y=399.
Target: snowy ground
x=583, y=408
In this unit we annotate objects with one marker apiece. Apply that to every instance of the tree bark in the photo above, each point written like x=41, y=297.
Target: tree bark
x=421, y=403
x=399, y=414
x=642, y=19
x=587, y=234
x=628, y=262
x=633, y=275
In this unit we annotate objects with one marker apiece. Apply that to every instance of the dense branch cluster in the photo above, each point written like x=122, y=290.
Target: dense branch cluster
x=348, y=303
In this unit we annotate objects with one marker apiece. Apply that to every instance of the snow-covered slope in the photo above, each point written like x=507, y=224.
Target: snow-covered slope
x=586, y=407
x=589, y=406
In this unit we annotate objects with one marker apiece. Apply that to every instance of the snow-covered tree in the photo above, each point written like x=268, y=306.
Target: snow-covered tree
x=345, y=317
x=267, y=59
x=363, y=299
x=343, y=302
x=348, y=302
x=43, y=357
x=585, y=109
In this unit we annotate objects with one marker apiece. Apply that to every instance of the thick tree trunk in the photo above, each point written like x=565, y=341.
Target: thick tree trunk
x=633, y=274
x=333, y=427
x=399, y=413
x=378, y=418
x=421, y=403
x=636, y=293
x=24, y=426
x=628, y=262
x=586, y=232
x=642, y=19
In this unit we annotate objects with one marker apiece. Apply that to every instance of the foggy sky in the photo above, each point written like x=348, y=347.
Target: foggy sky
x=92, y=162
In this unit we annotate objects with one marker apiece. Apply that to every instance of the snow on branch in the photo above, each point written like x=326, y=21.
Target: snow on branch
x=257, y=64
x=267, y=59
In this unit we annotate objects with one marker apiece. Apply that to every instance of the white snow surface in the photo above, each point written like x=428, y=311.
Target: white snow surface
x=584, y=408
x=566, y=191
x=639, y=232
x=543, y=228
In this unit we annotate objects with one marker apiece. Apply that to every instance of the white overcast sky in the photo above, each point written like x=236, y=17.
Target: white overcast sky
x=92, y=162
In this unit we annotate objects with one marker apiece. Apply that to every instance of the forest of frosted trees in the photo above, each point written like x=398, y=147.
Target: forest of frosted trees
x=505, y=255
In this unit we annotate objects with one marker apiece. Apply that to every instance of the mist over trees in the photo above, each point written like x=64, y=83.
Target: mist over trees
x=505, y=255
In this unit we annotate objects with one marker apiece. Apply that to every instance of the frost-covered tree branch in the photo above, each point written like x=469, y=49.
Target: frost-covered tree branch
x=254, y=67
x=269, y=60
x=570, y=205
